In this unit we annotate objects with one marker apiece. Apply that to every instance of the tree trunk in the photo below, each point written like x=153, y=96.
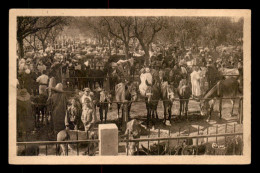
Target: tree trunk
x=147, y=56
x=20, y=47
x=127, y=50
x=109, y=47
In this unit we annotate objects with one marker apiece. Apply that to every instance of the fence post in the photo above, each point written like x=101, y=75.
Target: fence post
x=108, y=139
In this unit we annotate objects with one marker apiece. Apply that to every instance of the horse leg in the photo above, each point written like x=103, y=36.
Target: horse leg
x=147, y=115
x=101, y=112
x=106, y=110
x=165, y=112
x=233, y=104
x=170, y=112
x=118, y=110
x=181, y=105
x=156, y=113
x=186, y=108
x=220, y=108
x=128, y=110
x=211, y=109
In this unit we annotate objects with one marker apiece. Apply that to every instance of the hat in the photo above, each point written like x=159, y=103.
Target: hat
x=147, y=70
x=58, y=88
x=23, y=95
x=142, y=70
x=27, y=71
x=181, y=62
x=86, y=90
x=22, y=61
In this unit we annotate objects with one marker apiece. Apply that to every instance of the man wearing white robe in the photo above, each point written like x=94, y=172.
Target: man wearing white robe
x=195, y=82
x=145, y=76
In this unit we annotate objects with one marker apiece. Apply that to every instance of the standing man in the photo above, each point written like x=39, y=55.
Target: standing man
x=43, y=82
x=211, y=74
x=57, y=104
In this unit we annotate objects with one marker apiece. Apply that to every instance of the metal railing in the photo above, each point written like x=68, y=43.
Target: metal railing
x=186, y=137
x=56, y=143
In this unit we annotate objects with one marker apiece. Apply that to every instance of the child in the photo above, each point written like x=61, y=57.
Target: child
x=72, y=116
x=87, y=117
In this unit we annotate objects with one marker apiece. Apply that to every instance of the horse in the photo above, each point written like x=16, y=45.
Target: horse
x=153, y=95
x=167, y=96
x=89, y=148
x=125, y=94
x=105, y=102
x=225, y=88
x=184, y=93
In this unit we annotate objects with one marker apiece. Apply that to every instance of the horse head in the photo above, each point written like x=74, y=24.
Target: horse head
x=204, y=107
x=153, y=91
x=170, y=93
x=132, y=89
x=106, y=97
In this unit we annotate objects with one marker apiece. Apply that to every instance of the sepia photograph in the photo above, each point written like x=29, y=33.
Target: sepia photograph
x=129, y=86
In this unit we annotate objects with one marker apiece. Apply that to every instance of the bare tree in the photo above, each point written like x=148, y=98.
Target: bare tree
x=32, y=41
x=31, y=25
x=145, y=30
x=122, y=29
x=53, y=34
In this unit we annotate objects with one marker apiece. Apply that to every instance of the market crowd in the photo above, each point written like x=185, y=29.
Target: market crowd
x=44, y=95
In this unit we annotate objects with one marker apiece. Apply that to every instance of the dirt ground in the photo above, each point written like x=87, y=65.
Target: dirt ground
x=180, y=127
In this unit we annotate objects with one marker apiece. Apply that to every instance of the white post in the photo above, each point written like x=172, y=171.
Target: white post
x=108, y=139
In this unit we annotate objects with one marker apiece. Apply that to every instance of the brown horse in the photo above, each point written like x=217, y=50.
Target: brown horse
x=153, y=95
x=125, y=92
x=184, y=93
x=105, y=102
x=227, y=88
x=167, y=96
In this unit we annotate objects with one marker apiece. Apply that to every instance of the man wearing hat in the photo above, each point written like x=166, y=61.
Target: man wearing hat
x=27, y=80
x=212, y=74
x=57, y=104
x=25, y=119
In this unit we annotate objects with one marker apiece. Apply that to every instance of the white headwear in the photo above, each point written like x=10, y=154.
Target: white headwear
x=147, y=70
x=27, y=71
x=86, y=63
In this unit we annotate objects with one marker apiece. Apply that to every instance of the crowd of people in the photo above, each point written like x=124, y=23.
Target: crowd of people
x=44, y=78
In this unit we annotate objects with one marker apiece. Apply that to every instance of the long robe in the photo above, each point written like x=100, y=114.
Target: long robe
x=58, y=105
x=195, y=82
x=143, y=87
x=25, y=118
